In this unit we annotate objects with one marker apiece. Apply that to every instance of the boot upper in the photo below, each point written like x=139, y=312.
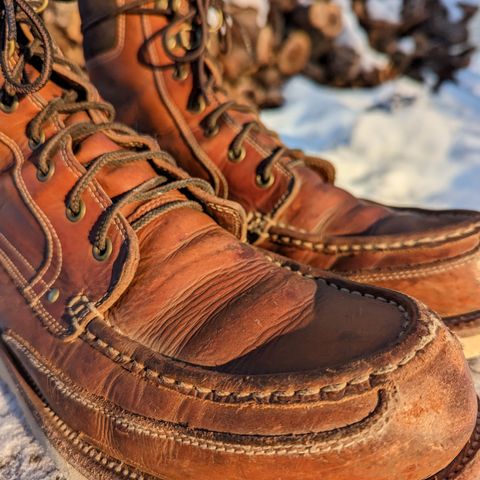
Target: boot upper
x=172, y=90
x=141, y=328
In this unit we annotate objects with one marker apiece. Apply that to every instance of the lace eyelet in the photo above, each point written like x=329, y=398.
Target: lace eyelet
x=180, y=73
x=34, y=143
x=198, y=106
x=211, y=131
x=215, y=19
x=103, y=255
x=9, y=108
x=45, y=176
x=161, y=4
x=175, y=5
x=236, y=156
x=184, y=38
x=76, y=216
x=172, y=43
x=265, y=182
x=53, y=295
x=42, y=7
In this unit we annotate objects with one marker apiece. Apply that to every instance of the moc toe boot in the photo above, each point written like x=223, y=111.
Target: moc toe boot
x=149, y=59
x=146, y=340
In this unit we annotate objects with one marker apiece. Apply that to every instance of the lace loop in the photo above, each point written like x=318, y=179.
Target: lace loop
x=198, y=24
x=15, y=11
x=132, y=146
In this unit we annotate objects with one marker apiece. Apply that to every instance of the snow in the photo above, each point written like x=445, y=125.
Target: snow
x=454, y=8
x=389, y=11
x=355, y=37
x=397, y=143
x=21, y=458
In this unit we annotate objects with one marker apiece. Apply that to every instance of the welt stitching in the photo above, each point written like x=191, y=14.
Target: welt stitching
x=228, y=211
x=130, y=363
x=337, y=442
x=414, y=272
x=330, y=248
x=332, y=284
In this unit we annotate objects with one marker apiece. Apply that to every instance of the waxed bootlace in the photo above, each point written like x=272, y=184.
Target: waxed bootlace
x=204, y=82
x=17, y=51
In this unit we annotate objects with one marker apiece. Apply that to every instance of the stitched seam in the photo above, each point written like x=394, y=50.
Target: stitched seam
x=130, y=363
x=179, y=120
x=230, y=213
x=32, y=301
x=48, y=231
x=333, y=285
x=329, y=248
x=117, y=50
x=373, y=423
x=415, y=272
x=19, y=256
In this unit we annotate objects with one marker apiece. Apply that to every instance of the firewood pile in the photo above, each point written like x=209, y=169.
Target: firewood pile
x=63, y=21
x=344, y=43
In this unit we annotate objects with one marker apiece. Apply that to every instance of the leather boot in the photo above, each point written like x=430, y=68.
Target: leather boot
x=147, y=341
x=149, y=59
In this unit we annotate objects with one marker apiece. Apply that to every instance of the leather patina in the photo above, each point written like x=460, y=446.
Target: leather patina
x=294, y=209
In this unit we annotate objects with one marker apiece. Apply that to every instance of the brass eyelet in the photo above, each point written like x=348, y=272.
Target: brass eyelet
x=34, y=143
x=44, y=177
x=236, y=156
x=172, y=43
x=180, y=73
x=53, y=295
x=76, y=216
x=211, y=130
x=184, y=38
x=161, y=4
x=102, y=255
x=265, y=182
x=6, y=108
x=199, y=106
x=215, y=19
x=175, y=5
x=42, y=7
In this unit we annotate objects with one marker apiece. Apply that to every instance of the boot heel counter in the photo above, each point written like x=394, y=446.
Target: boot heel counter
x=99, y=22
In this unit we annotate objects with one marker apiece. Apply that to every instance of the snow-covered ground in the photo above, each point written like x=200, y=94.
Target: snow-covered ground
x=398, y=143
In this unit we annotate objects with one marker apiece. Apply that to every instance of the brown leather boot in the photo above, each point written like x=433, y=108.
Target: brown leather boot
x=148, y=58
x=147, y=341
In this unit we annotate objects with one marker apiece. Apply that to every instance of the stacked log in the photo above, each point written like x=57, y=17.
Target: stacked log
x=345, y=43
x=63, y=21
x=342, y=43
